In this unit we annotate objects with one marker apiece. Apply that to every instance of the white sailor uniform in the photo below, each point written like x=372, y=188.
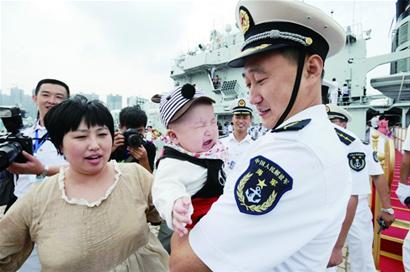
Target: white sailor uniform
x=283, y=208
x=406, y=243
x=360, y=236
x=236, y=150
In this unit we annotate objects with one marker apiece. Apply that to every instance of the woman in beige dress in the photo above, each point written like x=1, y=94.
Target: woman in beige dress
x=93, y=215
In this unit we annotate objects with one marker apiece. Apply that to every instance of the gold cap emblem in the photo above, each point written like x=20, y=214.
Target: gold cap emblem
x=241, y=103
x=244, y=19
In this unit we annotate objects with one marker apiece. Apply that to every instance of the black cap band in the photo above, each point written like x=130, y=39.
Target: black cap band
x=316, y=44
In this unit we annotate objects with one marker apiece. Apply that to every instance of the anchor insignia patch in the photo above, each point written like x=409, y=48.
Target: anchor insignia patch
x=375, y=156
x=357, y=160
x=259, y=189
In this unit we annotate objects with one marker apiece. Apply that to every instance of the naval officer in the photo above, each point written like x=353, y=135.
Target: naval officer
x=363, y=163
x=284, y=209
x=239, y=141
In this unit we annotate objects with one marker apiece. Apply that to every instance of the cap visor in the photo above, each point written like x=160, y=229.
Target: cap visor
x=239, y=61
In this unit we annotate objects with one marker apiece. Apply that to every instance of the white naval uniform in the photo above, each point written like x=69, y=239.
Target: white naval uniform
x=334, y=92
x=298, y=234
x=406, y=243
x=236, y=150
x=48, y=156
x=360, y=236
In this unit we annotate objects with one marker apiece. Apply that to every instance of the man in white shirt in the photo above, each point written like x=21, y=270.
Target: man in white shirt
x=403, y=193
x=239, y=141
x=45, y=160
x=283, y=207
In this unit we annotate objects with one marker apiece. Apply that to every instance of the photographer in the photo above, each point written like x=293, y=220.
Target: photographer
x=130, y=144
x=45, y=160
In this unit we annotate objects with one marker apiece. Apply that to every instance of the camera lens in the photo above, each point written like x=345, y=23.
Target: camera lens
x=8, y=153
x=134, y=140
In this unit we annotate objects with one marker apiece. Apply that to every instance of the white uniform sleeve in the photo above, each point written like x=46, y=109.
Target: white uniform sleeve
x=303, y=224
x=403, y=192
x=406, y=144
x=372, y=162
x=175, y=179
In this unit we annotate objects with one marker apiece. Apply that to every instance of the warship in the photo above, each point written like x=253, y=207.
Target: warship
x=206, y=67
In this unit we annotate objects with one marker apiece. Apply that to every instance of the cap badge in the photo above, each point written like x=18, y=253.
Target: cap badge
x=241, y=103
x=244, y=19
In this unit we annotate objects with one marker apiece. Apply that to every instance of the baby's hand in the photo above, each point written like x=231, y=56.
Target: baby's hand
x=181, y=215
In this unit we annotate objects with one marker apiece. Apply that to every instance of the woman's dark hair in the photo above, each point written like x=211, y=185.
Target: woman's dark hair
x=67, y=116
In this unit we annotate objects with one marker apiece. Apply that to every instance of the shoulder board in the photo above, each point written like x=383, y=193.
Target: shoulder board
x=344, y=137
x=294, y=126
x=223, y=136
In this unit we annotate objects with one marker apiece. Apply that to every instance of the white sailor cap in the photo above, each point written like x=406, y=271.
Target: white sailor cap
x=334, y=111
x=273, y=24
x=174, y=104
x=241, y=107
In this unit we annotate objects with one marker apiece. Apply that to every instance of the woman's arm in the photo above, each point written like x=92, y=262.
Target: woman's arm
x=15, y=241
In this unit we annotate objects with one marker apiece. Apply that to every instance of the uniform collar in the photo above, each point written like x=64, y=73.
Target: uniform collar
x=309, y=113
x=248, y=138
x=38, y=127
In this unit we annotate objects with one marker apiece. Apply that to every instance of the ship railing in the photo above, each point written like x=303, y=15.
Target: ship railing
x=399, y=135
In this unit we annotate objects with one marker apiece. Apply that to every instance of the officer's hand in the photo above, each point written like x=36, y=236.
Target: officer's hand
x=387, y=218
x=181, y=215
x=118, y=140
x=33, y=166
x=139, y=153
x=336, y=258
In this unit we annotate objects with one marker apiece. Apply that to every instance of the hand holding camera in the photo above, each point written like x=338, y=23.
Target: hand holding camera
x=133, y=138
x=118, y=140
x=13, y=143
x=31, y=166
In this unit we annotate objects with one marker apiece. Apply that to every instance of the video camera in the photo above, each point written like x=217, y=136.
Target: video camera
x=133, y=138
x=13, y=142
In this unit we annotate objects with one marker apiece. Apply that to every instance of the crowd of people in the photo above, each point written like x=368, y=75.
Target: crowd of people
x=285, y=197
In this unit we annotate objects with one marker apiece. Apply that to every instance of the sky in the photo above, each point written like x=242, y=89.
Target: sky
x=128, y=47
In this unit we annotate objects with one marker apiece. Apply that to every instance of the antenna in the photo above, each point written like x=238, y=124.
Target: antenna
x=391, y=26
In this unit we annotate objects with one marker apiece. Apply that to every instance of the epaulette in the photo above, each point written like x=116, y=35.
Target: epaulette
x=223, y=136
x=294, y=126
x=344, y=137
